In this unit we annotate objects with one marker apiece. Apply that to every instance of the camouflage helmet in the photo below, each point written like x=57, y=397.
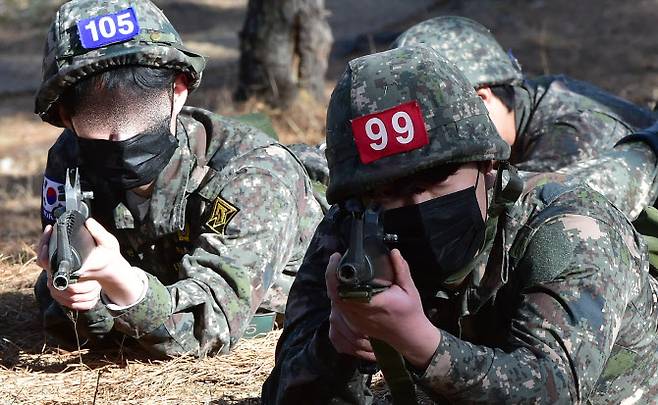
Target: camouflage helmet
x=423, y=106
x=116, y=33
x=469, y=45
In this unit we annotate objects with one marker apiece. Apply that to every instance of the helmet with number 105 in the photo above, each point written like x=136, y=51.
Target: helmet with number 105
x=395, y=113
x=90, y=36
x=469, y=45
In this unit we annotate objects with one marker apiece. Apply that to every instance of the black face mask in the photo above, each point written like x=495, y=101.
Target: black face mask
x=132, y=162
x=438, y=237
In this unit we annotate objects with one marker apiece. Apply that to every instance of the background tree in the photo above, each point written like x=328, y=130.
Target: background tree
x=284, y=47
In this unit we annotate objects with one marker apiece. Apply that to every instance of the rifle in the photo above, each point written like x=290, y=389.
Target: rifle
x=364, y=271
x=70, y=242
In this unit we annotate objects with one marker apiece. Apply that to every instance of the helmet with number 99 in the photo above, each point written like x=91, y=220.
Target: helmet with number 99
x=88, y=37
x=395, y=113
x=467, y=44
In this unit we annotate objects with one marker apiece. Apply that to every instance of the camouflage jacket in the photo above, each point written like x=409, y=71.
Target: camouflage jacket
x=560, y=308
x=561, y=121
x=225, y=231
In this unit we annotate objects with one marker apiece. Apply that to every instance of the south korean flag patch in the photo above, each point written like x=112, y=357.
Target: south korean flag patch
x=52, y=197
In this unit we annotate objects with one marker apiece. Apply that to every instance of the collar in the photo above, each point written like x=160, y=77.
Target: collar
x=166, y=212
x=522, y=112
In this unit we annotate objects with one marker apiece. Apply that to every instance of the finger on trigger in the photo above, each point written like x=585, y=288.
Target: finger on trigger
x=45, y=236
x=330, y=272
x=83, y=287
x=42, y=258
x=101, y=235
x=369, y=356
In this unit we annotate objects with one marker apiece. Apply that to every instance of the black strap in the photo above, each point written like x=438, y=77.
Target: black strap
x=646, y=135
x=397, y=377
x=505, y=197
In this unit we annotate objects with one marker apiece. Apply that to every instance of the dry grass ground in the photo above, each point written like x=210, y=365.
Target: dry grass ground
x=35, y=371
x=32, y=371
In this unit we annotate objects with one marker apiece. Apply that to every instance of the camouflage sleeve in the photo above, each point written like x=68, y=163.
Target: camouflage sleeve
x=226, y=277
x=571, y=138
x=307, y=366
x=626, y=175
x=564, y=327
x=314, y=161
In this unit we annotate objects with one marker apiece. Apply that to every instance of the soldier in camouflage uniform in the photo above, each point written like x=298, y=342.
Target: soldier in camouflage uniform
x=199, y=220
x=552, y=121
x=498, y=294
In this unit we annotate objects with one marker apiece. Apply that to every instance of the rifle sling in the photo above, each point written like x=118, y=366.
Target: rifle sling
x=397, y=376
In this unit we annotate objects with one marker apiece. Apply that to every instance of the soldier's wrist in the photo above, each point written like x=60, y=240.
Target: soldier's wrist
x=124, y=286
x=418, y=347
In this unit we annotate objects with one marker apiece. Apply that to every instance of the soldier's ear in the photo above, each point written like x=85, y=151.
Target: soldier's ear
x=64, y=116
x=485, y=94
x=489, y=174
x=180, y=92
x=487, y=166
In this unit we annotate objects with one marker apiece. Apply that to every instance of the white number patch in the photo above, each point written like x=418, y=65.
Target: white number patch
x=106, y=29
x=395, y=130
x=407, y=129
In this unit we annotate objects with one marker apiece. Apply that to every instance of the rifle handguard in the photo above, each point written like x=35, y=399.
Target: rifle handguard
x=71, y=242
x=365, y=269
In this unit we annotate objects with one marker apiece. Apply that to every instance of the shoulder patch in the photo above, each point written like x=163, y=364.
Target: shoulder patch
x=222, y=213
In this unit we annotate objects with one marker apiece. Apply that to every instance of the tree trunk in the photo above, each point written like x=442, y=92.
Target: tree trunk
x=284, y=47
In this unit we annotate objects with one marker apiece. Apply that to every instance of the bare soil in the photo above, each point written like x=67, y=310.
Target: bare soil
x=607, y=42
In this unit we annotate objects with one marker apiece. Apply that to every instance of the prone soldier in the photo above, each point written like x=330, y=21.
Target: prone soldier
x=500, y=293
x=550, y=121
x=199, y=221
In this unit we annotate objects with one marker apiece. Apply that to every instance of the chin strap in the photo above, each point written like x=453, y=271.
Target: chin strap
x=484, y=279
x=507, y=189
x=504, y=199
x=646, y=135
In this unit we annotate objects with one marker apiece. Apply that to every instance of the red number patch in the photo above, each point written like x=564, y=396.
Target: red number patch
x=389, y=132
